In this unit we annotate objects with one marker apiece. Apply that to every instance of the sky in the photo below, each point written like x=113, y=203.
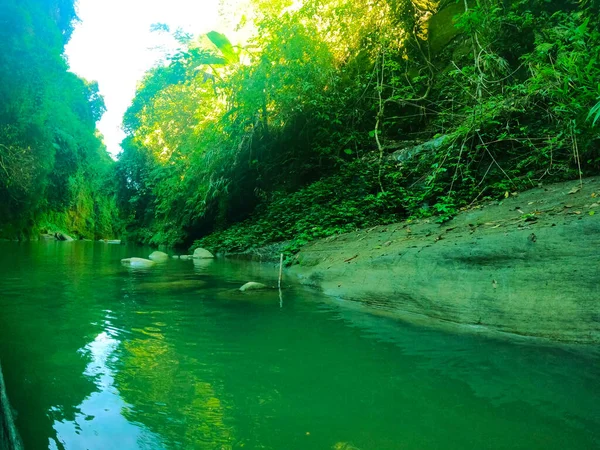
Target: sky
x=114, y=46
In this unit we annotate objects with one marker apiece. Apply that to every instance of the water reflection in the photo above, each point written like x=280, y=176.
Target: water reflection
x=100, y=423
x=165, y=382
x=177, y=358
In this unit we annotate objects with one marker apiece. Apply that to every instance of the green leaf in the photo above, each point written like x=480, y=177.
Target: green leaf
x=224, y=45
x=347, y=151
x=595, y=111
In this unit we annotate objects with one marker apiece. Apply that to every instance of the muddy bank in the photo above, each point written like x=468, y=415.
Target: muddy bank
x=528, y=265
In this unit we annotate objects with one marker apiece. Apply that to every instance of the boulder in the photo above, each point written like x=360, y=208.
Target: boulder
x=175, y=256
x=186, y=257
x=114, y=241
x=253, y=286
x=137, y=262
x=158, y=256
x=63, y=237
x=201, y=253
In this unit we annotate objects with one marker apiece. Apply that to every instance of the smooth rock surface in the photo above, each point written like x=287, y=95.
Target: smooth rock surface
x=201, y=253
x=158, y=256
x=253, y=286
x=186, y=257
x=138, y=262
x=529, y=265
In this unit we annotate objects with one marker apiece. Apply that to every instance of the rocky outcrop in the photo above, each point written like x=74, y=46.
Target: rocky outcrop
x=201, y=253
x=138, y=262
x=528, y=265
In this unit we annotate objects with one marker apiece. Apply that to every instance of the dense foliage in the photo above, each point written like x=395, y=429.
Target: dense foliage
x=55, y=173
x=341, y=114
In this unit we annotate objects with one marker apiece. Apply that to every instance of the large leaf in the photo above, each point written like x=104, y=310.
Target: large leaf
x=224, y=45
x=595, y=113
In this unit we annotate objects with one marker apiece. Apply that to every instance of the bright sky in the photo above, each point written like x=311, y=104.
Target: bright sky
x=113, y=45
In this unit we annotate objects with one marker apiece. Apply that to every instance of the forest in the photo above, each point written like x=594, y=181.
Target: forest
x=334, y=115
x=54, y=170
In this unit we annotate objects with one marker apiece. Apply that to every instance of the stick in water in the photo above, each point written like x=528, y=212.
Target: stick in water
x=279, y=282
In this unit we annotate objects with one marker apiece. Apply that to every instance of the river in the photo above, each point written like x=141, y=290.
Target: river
x=99, y=356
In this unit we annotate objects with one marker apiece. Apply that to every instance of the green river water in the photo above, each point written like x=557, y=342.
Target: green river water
x=100, y=356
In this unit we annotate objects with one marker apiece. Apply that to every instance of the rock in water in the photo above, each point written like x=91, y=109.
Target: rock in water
x=253, y=286
x=63, y=237
x=137, y=262
x=201, y=253
x=186, y=257
x=159, y=256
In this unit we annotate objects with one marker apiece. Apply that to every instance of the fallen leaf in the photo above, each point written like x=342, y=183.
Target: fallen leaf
x=594, y=205
x=591, y=213
x=514, y=194
x=506, y=194
x=575, y=190
x=577, y=212
x=594, y=195
x=568, y=205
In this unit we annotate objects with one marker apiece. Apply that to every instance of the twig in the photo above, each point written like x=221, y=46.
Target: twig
x=576, y=154
x=279, y=281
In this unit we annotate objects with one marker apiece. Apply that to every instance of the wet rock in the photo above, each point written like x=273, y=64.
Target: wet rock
x=63, y=237
x=137, y=262
x=173, y=285
x=201, y=253
x=186, y=257
x=175, y=256
x=253, y=286
x=158, y=256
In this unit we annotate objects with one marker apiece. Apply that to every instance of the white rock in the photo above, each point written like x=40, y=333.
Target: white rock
x=253, y=286
x=201, y=253
x=137, y=262
x=158, y=256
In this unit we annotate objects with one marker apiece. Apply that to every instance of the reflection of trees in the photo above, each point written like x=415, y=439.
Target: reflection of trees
x=47, y=315
x=168, y=398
